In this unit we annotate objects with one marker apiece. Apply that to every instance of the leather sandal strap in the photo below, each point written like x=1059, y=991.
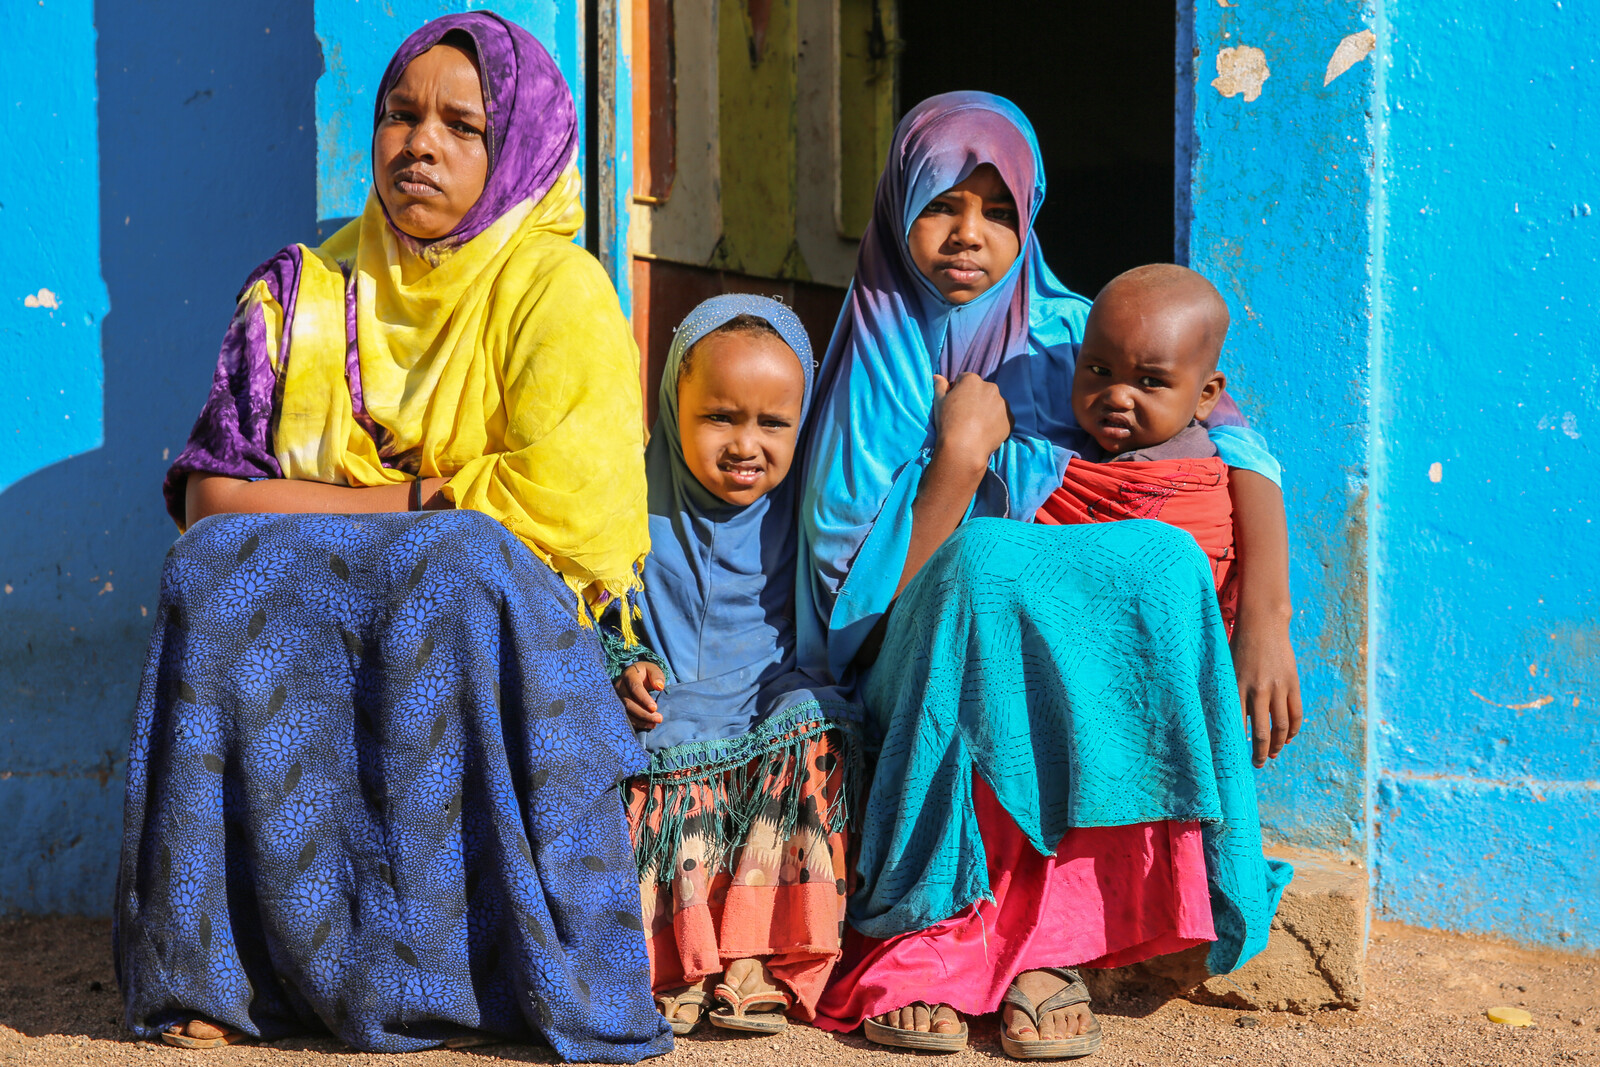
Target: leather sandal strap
x=1075, y=991
x=1018, y=999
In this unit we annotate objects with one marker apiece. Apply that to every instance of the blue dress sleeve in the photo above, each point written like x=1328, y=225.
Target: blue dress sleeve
x=1242, y=448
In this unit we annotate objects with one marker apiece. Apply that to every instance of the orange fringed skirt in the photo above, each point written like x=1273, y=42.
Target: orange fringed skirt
x=748, y=861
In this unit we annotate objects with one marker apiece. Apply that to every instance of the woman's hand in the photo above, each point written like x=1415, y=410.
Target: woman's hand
x=635, y=687
x=970, y=416
x=432, y=500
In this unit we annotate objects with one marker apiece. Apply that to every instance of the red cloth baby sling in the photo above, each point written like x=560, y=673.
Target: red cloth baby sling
x=1191, y=494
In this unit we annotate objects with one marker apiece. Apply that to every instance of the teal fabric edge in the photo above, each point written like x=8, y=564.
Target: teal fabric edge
x=777, y=742
x=620, y=655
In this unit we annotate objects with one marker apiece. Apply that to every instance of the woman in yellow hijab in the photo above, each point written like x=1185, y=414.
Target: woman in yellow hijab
x=372, y=783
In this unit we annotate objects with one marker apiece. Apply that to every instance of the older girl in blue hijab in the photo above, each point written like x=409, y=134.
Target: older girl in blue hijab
x=1061, y=777
x=739, y=821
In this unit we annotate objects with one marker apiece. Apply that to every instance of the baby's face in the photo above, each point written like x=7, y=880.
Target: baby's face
x=739, y=413
x=1142, y=374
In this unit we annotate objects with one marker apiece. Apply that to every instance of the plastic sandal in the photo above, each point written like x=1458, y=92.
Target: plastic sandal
x=178, y=1039
x=883, y=1034
x=1059, y=1048
x=737, y=1016
x=671, y=1002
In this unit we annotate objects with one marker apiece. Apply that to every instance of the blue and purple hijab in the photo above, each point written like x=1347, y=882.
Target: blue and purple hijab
x=871, y=435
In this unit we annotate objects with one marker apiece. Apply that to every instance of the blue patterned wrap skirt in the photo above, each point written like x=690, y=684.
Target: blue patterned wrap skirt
x=373, y=789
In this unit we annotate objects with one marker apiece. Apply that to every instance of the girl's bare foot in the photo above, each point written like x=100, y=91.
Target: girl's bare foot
x=751, y=976
x=684, y=1011
x=1040, y=986
x=942, y=1020
x=750, y=999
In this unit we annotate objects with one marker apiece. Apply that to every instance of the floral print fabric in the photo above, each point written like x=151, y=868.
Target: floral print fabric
x=373, y=788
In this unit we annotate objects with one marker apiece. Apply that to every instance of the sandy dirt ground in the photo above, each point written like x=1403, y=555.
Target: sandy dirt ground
x=1427, y=993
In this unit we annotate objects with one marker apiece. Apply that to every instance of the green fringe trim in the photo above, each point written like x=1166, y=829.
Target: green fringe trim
x=622, y=654
x=737, y=770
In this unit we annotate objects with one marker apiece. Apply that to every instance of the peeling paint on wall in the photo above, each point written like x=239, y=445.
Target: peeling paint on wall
x=1281, y=224
x=1352, y=50
x=1241, y=69
x=50, y=408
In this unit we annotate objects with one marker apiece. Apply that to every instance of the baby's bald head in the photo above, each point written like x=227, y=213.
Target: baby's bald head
x=1148, y=362
x=1172, y=300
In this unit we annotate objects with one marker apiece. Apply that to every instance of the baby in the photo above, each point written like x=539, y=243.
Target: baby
x=738, y=825
x=1146, y=375
x=1147, y=371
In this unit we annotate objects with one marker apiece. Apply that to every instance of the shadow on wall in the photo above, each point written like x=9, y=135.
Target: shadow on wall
x=207, y=166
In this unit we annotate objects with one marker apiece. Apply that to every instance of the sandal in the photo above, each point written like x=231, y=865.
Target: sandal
x=669, y=1004
x=1058, y=1048
x=737, y=1016
x=178, y=1039
x=883, y=1034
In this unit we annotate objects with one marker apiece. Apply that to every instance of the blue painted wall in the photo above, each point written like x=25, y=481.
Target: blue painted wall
x=1411, y=255
x=51, y=295
x=1487, y=534
x=207, y=164
x=1281, y=198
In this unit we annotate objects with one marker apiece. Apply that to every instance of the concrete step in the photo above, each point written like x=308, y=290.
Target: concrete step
x=1315, y=955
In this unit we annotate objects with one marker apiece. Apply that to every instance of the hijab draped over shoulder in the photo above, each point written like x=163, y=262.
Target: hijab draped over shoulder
x=719, y=595
x=496, y=356
x=872, y=434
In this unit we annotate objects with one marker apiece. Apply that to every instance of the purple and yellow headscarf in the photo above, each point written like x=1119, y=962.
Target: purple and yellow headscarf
x=496, y=356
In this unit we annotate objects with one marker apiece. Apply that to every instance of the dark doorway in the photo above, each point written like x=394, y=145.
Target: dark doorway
x=1097, y=81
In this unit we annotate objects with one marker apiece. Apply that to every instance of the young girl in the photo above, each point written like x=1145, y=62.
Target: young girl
x=1061, y=779
x=738, y=824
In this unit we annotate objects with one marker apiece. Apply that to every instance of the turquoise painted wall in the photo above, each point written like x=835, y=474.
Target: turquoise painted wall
x=1411, y=254
x=1487, y=530
x=206, y=166
x=51, y=296
x=1281, y=196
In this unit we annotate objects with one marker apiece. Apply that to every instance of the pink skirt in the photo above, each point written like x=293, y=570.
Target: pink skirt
x=1109, y=897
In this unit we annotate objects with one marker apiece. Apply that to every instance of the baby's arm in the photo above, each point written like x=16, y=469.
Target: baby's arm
x=1263, y=659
